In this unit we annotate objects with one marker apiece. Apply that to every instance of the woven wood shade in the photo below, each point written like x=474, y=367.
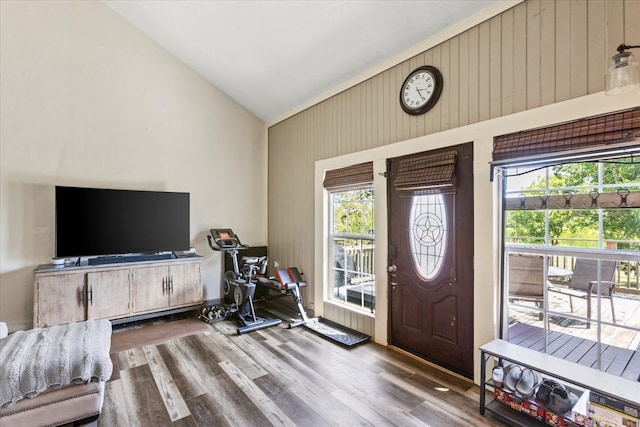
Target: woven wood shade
x=427, y=174
x=593, y=132
x=354, y=177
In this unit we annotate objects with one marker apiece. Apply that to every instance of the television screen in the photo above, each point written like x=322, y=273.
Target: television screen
x=92, y=221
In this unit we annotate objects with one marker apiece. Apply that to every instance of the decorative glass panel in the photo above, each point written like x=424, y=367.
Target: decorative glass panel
x=428, y=233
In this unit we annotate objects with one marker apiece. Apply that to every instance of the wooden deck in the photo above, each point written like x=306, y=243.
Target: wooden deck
x=627, y=310
x=617, y=361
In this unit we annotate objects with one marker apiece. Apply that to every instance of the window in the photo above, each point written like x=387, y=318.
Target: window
x=352, y=247
x=571, y=235
x=351, y=235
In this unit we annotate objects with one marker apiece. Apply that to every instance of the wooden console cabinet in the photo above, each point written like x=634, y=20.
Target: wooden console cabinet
x=115, y=291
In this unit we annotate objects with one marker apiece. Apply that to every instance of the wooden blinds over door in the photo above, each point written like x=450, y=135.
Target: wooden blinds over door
x=354, y=177
x=593, y=133
x=427, y=174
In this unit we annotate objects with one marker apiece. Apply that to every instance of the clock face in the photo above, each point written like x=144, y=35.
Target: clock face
x=421, y=90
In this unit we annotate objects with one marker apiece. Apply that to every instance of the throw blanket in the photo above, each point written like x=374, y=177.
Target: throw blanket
x=38, y=359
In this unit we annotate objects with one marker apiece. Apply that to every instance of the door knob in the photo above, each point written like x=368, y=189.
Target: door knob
x=392, y=268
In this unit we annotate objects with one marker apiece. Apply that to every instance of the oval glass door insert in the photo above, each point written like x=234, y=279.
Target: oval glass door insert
x=428, y=234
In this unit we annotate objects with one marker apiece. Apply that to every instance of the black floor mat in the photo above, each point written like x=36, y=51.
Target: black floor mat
x=335, y=332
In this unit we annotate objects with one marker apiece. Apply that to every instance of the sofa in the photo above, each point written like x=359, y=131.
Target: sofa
x=54, y=376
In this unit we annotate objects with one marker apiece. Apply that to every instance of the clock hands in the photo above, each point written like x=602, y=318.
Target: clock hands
x=420, y=93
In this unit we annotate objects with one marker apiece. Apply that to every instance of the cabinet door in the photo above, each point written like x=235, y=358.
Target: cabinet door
x=108, y=294
x=185, y=284
x=150, y=288
x=59, y=299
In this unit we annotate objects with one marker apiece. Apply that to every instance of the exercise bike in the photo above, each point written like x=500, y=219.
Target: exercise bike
x=240, y=289
x=239, y=284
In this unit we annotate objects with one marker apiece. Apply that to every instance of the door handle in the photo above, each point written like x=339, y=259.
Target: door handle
x=392, y=268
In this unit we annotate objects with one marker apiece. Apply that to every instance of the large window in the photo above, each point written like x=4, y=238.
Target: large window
x=572, y=252
x=352, y=247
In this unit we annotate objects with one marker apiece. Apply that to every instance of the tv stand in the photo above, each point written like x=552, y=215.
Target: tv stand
x=116, y=259
x=116, y=291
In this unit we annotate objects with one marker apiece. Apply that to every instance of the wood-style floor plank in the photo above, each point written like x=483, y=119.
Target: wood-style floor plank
x=144, y=402
x=173, y=401
x=180, y=370
x=114, y=397
x=279, y=376
x=206, y=411
x=273, y=413
x=291, y=404
x=131, y=358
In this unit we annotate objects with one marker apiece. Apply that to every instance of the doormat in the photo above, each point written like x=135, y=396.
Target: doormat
x=335, y=332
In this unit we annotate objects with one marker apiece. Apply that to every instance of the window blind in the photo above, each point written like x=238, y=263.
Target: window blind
x=354, y=177
x=427, y=174
x=592, y=133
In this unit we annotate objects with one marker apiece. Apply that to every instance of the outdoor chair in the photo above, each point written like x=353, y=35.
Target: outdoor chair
x=526, y=279
x=584, y=283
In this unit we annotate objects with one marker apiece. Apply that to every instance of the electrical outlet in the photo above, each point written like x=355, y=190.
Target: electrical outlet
x=276, y=264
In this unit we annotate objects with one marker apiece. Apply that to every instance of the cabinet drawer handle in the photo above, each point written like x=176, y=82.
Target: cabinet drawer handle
x=164, y=285
x=171, y=284
x=91, y=295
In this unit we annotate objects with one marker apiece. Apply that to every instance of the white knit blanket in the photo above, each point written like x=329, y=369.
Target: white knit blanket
x=36, y=360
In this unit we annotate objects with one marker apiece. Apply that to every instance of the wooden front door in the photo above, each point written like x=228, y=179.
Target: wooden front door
x=431, y=264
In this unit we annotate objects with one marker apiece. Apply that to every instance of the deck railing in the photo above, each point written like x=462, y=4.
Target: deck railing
x=362, y=257
x=626, y=275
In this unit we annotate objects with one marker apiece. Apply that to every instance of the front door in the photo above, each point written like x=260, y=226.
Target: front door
x=431, y=261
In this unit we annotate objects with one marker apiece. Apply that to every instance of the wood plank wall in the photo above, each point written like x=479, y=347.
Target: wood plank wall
x=537, y=53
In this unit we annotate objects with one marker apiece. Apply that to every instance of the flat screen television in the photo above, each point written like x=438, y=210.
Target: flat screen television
x=99, y=222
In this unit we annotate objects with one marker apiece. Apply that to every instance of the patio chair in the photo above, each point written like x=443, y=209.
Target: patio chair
x=584, y=282
x=526, y=279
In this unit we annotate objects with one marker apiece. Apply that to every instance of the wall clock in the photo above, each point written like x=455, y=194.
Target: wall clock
x=421, y=90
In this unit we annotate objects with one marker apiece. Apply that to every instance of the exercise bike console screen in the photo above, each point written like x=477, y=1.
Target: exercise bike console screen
x=225, y=238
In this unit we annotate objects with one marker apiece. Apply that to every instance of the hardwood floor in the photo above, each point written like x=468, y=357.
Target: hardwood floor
x=277, y=376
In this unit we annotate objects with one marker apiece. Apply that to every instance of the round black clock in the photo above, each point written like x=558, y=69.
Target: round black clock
x=421, y=90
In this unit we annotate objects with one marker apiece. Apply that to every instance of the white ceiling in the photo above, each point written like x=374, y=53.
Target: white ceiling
x=272, y=56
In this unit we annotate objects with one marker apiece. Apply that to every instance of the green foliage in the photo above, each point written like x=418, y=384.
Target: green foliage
x=580, y=224
x=353, y=212
x=580, y=174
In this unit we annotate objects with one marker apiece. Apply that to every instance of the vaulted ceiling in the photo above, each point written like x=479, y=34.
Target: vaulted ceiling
x=273, y=56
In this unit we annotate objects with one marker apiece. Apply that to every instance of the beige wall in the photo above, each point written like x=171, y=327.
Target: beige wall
x=535, y=64
x=88, y=100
